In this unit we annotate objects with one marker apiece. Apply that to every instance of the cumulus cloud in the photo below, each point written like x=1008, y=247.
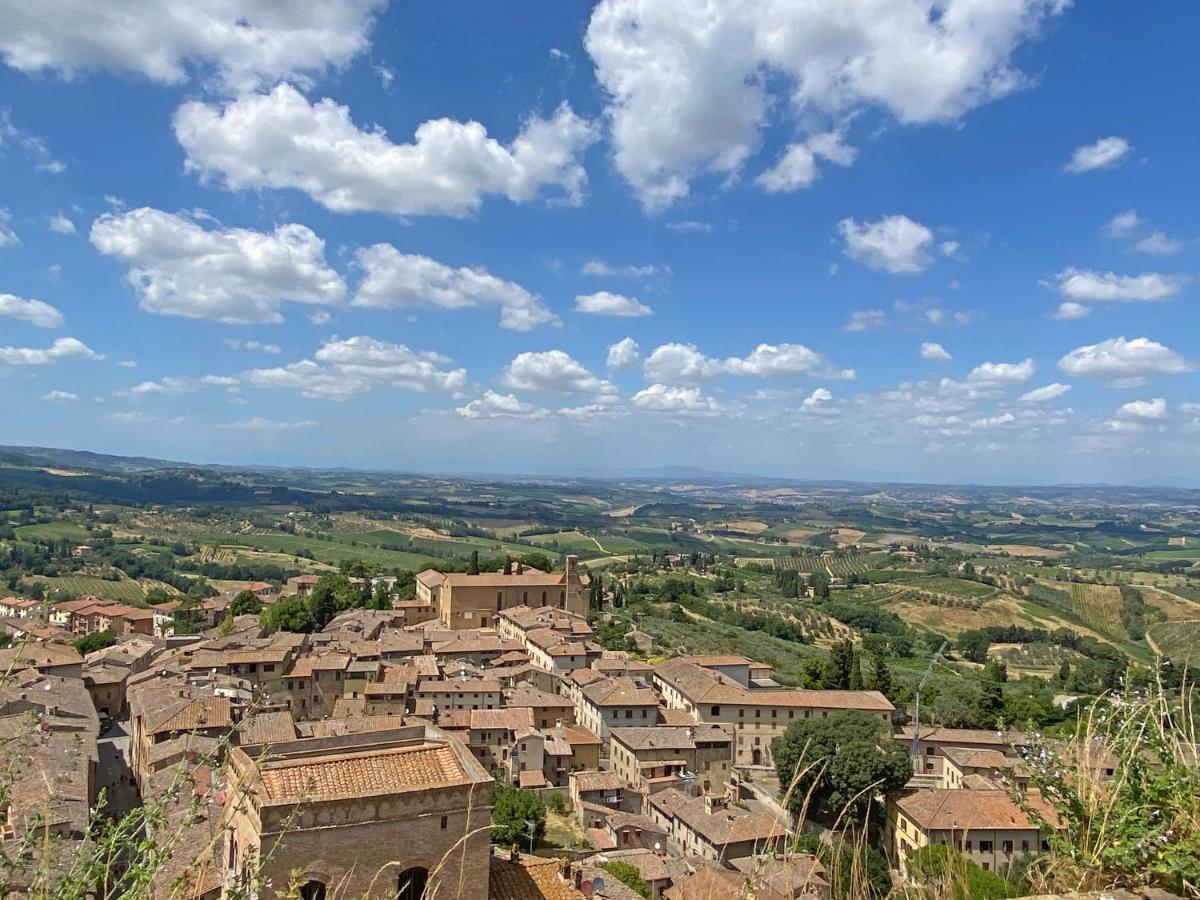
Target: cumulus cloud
x=797, y=167
x=179, y=267
x=60, y=224
x=500, y=406
x=281, y=140
x=60, y=396
x=817, y=400
x=934, y=352
x=623, y=354
x=606, y=303
x=1158, y=243
x=168, y=386
x=345, y=367
x=35, y=312
x=767, y=360
x=894, y=244
x=664, y=398
x=1087, y=286
x=1152, y=410
x=1119, y=358
x=1044, y=394
x=165, y=40
x=677, y=363
x=1069, y=310
x=62, y=348
x=1123, y=224
x=259, y=423
x=865, y=320
x=554, y=371
x=393, y=279
x=691, y=85
x=1105, y=153
x=1002, y=373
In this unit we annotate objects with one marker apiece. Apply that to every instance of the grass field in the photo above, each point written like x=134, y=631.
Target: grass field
x=126, y=590
x=56, y=530
x=567, y=542
x=952, y=587
x=326, y=551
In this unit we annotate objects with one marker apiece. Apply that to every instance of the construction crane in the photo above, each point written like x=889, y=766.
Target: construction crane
x=916, y=744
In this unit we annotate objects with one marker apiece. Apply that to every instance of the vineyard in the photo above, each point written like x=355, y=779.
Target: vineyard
x=1180, y=641
x=952, y=587
x=124, y=590
x=1099, y=606
x=837, y=565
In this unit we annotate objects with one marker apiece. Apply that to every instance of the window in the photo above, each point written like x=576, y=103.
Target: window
x=774, y=714
x=525, y=597
x=741, y=714
x=445, y=822
x=312, y=890
x=629, y=713
x=1007, y=846
x=985, y=846
x=1024, y=846
x=411, y=884
x=268, y=667
x=967, y=847
x=543, y=598
x=715, y=711
x=758, y=714
x=499, y=600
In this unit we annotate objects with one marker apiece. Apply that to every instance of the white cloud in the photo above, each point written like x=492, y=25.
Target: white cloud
x=692, y=84
x=935, y=352
x=500, y=406
x=169, y=386
x=767, y=360
x=8, y=237
x=62, y=348
x=623, y=354
x=600, y=267
x=1002, y=373
x=1123, y=223
x=865, y=320
x=165, y=40
x=394, y=279
x=553, y=371
x=228, y=382
x=33, y=146
x=320, y=317
x=606, y=303
x=1118, y=358
x=178, y=267
x=797, y=167
x=344, y=368
x=1152, y=410
x=1158, y=243
x=1044, y=394
x=817, y=399
x=259, y=346
x=281, y=140
x=894, y=244
x=131, y=418
x=674, y=399
x=33, y=311
x=1104, y=154
x=689, y=226
x=1084, y=285
x=949, y=249
x=60, y=224
x=259, y=423
x=1069, y=310
x=57, y=396
x=385, y=75
x=127, y=364
x=679, y=364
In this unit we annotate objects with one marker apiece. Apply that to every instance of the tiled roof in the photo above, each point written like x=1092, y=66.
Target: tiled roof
x=729, y=825
x=497, y=719
x=371, y=773
x=268, y=728
x=938, y=809
x=597, y=781
x=670, y=737
x=707, y=686
x=966, y=757
x=201, y=712
x=530, y=878
x=495, y=579
x=963, y=737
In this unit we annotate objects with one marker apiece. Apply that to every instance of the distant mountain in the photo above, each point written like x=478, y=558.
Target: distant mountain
x=674, y=473
x=85, y=459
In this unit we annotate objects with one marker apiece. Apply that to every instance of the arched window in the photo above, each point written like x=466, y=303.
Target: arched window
x=312, y=890
x=411, y=884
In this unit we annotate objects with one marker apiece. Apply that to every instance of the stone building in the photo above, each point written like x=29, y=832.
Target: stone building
x=396, y=813
x=472, y=601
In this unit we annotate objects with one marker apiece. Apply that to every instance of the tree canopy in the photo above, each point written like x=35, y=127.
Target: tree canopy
x=512, y=809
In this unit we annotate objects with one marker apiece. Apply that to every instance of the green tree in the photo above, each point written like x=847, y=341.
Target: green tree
x=949, y=873
x=512, y=811
x=881, y=678
x=97, y=640
x=289, y=614
x=855, y=756
x=245, y=603
x=473, y=567
x=1064, y=671
x=839, y=665
x=856, y=676
x=628, y=875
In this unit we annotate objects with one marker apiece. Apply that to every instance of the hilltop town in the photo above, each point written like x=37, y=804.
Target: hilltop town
x=754, y=706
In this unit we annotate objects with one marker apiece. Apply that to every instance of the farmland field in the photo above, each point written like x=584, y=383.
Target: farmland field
x=1099, y=606
x=326, y=551
x=125, y=590
x=954, y=587
x=1178, y=640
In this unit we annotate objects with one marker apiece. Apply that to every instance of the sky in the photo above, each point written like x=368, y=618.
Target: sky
x=905, y=240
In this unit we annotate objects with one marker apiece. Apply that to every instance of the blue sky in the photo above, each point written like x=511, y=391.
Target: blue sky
x=882, y=240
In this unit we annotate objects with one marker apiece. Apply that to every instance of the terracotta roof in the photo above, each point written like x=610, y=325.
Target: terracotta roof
x=431, y=577
x=530, y=878
x=479, y=685
x=495, y=579
x=534, y=778
x=966, y=757
x=724, y=825
x=963, y=737
x=701, y=685
x=577, y=734
x=201, y=712
x=619, y=692
x=938, y=809
x=671, y=737
x=267, y=728
x=720, y=660
x=501, y=719
x=597, y=781
x=372, y=773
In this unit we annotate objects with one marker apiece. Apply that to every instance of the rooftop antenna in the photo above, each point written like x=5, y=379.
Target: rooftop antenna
x=916, y=745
